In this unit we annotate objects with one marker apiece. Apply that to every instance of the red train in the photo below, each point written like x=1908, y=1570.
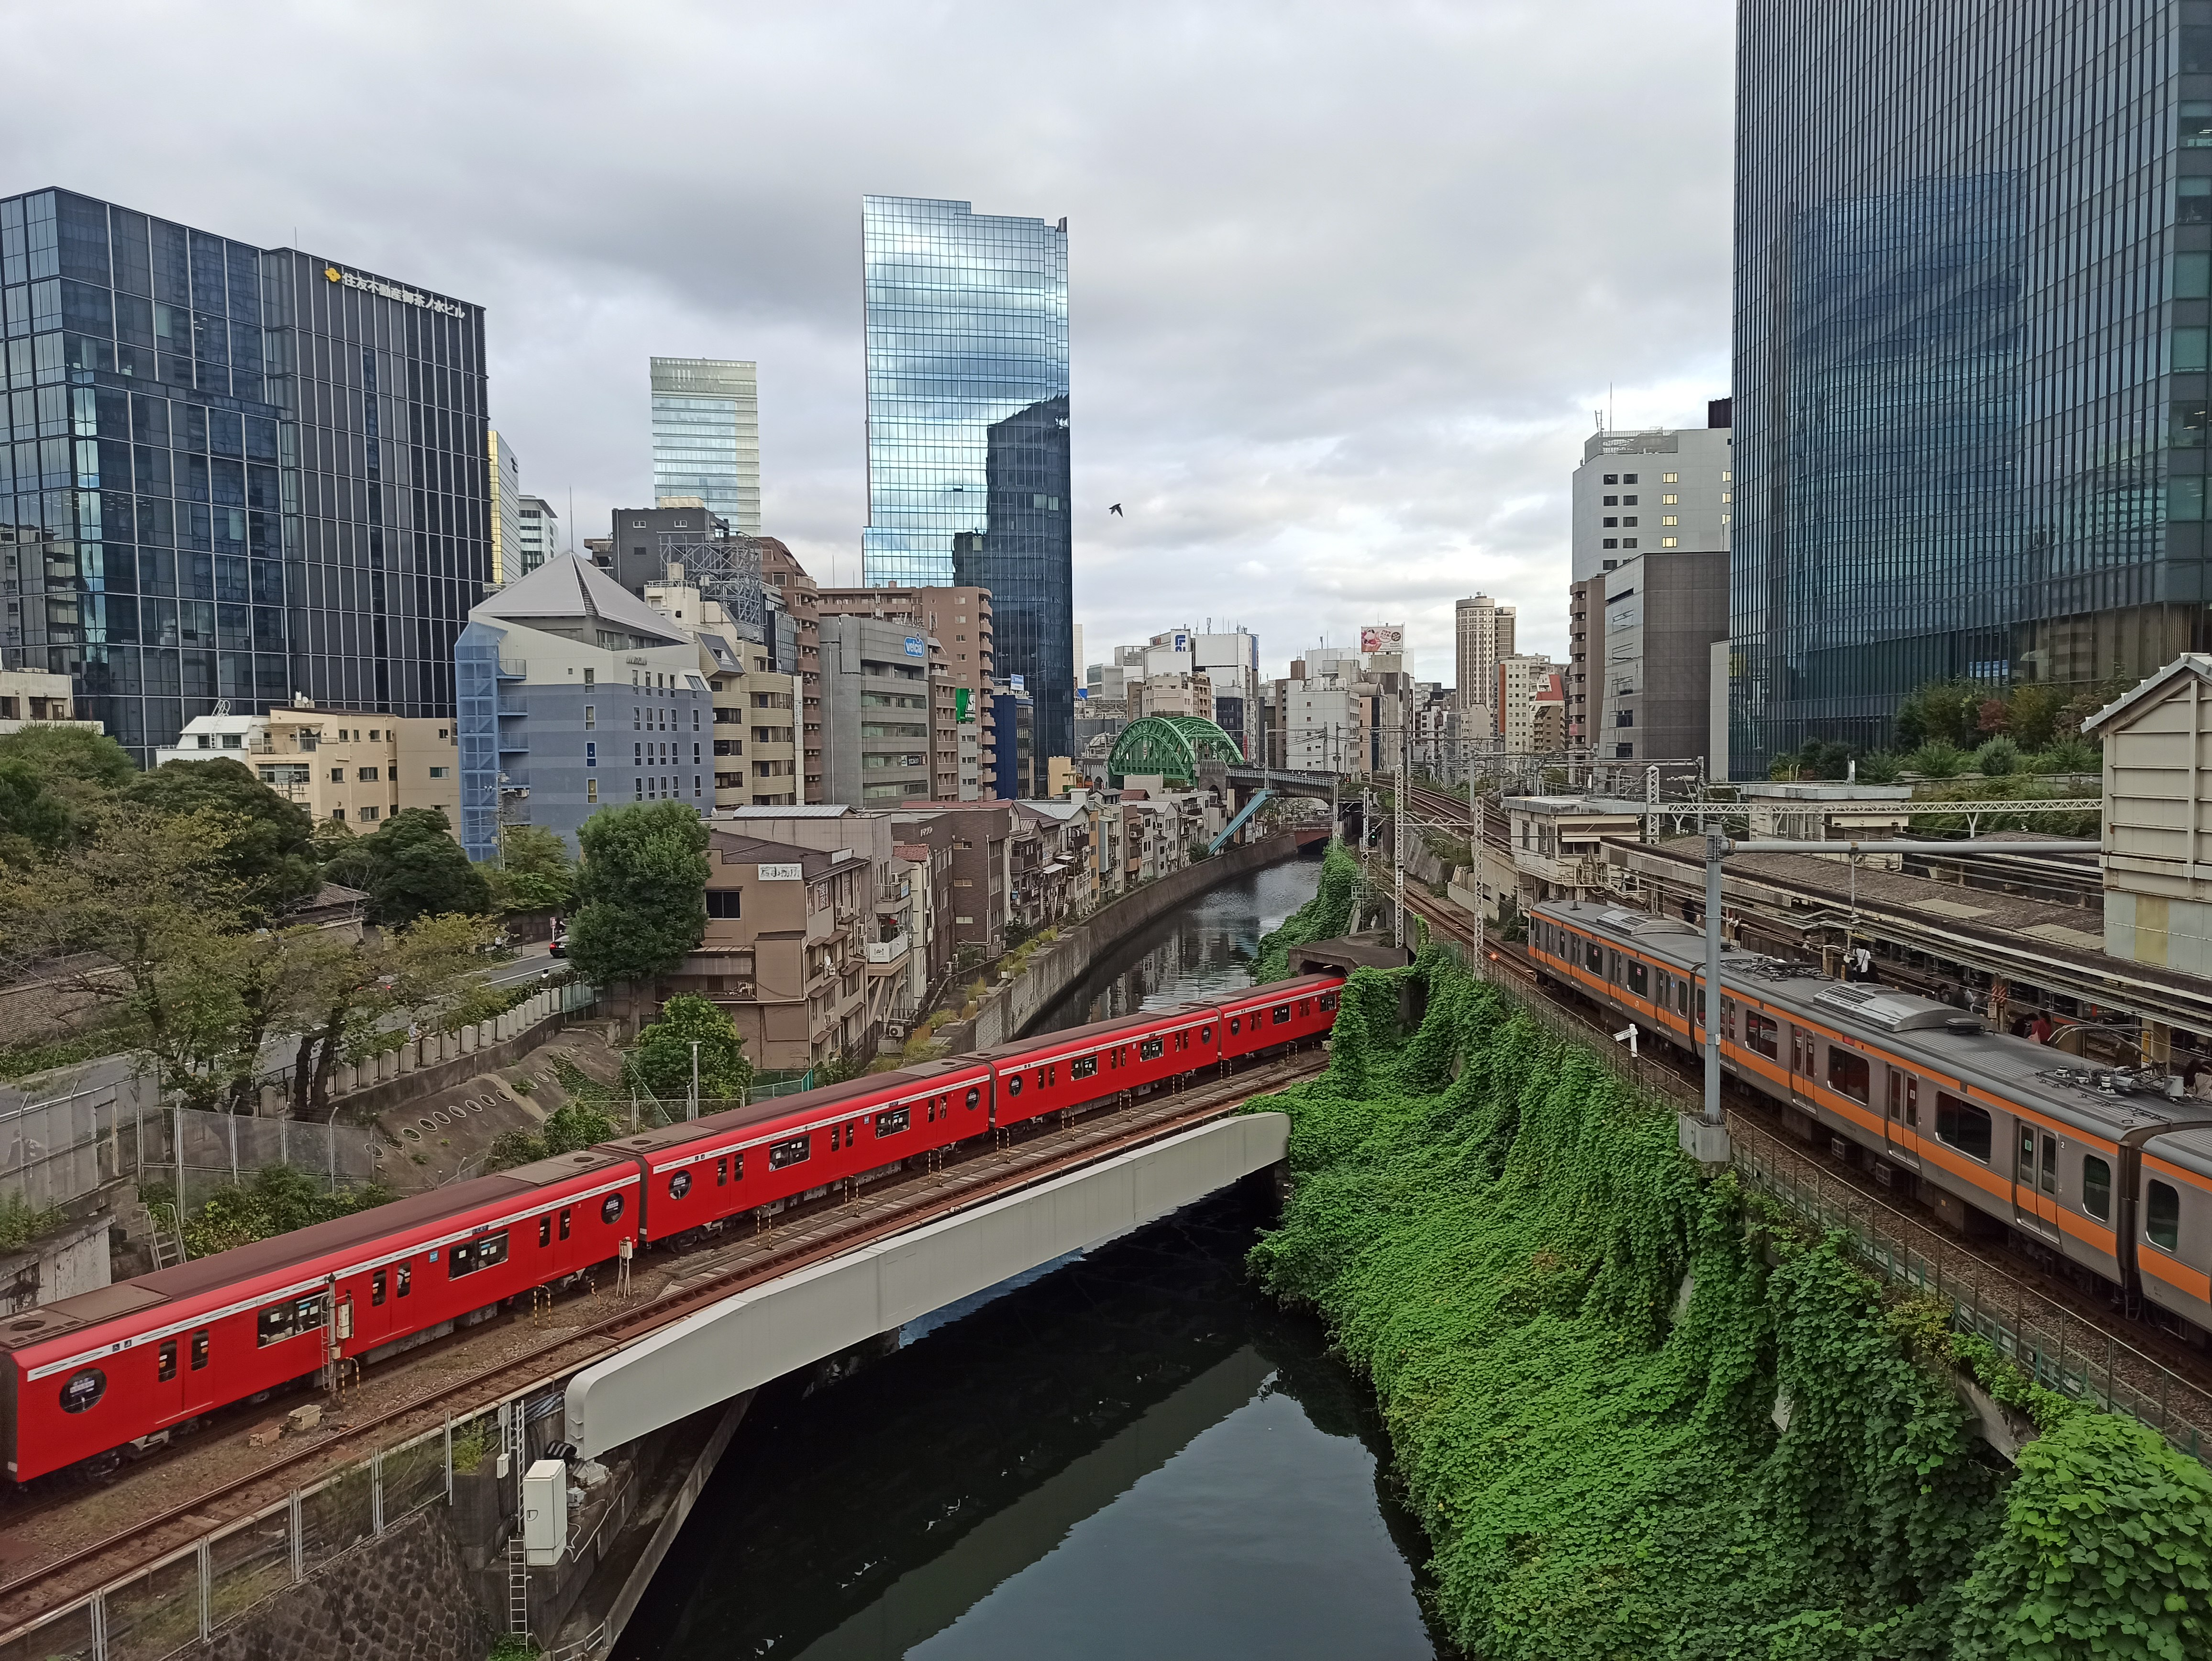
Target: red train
x=120, y=1369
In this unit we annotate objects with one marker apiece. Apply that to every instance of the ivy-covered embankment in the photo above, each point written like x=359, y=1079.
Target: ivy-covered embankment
x=1583, y=1349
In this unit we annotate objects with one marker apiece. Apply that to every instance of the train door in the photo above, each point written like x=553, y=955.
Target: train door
x=196, y=1357
x=2034, y=1180
x=372, y=1309
x=1800, y=1069
x=1902, y=1127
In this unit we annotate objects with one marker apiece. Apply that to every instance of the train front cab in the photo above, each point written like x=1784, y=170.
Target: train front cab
x=2172, y=1207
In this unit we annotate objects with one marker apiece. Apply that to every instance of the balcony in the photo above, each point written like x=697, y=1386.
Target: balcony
x=885, y=956
x=513, y=669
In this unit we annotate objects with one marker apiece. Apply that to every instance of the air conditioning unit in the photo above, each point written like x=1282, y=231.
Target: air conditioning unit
x=895, y=1029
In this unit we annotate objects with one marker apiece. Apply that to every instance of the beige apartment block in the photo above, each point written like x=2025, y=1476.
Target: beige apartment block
x=350, y=765
x=33, y=697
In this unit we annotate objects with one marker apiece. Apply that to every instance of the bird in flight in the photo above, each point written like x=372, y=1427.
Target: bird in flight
x=1116, y=511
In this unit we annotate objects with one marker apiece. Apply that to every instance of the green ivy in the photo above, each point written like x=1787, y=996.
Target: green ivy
x=1585, y=1353
x=1323, y=917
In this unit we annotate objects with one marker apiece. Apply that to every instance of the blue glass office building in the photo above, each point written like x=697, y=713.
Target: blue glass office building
x=1973, y=249
x=230, y=472
x=967, y=434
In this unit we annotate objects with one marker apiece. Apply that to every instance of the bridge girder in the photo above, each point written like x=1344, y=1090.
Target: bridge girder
x=1170, y=746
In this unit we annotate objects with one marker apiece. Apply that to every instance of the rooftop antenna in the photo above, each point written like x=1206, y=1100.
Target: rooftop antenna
x=1608, y=406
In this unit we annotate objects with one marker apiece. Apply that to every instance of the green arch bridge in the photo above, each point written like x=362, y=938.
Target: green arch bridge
x=1170, y=746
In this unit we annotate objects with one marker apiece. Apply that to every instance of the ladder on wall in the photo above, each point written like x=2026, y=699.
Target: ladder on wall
x=514, y=1430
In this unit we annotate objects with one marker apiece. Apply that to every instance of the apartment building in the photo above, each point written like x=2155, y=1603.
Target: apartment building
x=955, y=625
x=784, y=576
x=354, y=766
x=1529, y=686
x=33, y=697
x=977, y=834
x=1482, y=635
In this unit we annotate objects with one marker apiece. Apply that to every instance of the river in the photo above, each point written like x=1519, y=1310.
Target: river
x=1130, y=1453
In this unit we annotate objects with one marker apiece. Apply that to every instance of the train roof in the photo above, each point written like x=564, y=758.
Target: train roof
x=1091, y=1032
x=285, y=1252
x=2105, y=1102
x=2191, y=1149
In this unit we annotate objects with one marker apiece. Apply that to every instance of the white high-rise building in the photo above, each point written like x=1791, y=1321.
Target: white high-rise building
x=706, y=437
x=1231, y=662
x=1482, y=635
x=1668, y=488
x=536, y=534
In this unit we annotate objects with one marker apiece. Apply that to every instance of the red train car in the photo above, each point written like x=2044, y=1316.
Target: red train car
x=761, y=1157
x=129, y=1364
x=131, y=1361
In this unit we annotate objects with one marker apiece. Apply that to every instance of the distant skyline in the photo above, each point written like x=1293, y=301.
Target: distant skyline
x=1351, y=281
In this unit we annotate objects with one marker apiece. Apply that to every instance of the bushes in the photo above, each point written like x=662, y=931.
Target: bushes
x=1578, y=1346
x=275, y=1200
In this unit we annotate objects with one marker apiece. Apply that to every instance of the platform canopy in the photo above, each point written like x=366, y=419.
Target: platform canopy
x=1171, y=746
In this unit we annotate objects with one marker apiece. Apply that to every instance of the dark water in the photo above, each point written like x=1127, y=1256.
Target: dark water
x=1129, y=1453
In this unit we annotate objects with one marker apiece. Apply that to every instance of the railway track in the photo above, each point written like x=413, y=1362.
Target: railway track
x=830, y=1229
x=2003, y=1274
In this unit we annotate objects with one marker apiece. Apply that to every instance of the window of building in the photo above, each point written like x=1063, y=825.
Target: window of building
x=1628, y=478
x=338, y=776
x=1670, y=479
x=1628, y=542
x=591, y=677
x=591, y=717
x=591, y=790
x=1612, y=524
x=437, y=772
x=1610, y=501
x=1669, y=519
x=367, y=775
x=1613, y=478
x=371, y=812
x=1668, y=541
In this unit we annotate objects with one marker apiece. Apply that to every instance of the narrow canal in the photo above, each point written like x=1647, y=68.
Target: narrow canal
x=1129, y=1453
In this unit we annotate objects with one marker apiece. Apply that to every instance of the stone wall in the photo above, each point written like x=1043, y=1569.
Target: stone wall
x=1007, y=1010
x=402, y=1596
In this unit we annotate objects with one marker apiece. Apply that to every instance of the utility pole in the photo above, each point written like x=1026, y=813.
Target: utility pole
x=692, y=1110
x=1398, y=835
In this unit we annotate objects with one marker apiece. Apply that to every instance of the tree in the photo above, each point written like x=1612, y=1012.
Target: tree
x=413, y=970
x=535, y=871
x=51, y=780
x=660, y=1061
x=271, y=851
x=642, y=893
x=411, y=867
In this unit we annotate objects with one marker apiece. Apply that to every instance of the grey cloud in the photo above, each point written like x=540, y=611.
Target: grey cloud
x=1347, y=281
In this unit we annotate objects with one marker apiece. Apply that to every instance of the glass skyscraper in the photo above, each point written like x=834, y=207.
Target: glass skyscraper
x=968, y=436
x=231, y=472
x=706, y=437
x=1973, y=249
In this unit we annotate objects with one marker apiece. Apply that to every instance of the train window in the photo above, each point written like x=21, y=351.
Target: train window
x=611, y=1209
x=1848, y=1073
x=1236, y=1023
x=1040, y=1078
x=974, y=1097
x=890, y=1122
x=470, y=1255
x=1013, y=1084
x=1594, y=957
x=1206, y=1035
x=379, y=1284
x=794, y=1152
x=165, y=1366
x=2162, y=1215
x=545, y=1233
x=405, y=1272
x=2096, y=1188
x=1087, y=1066
x=199, y=1350
x=833, y=1139
x=1762, y=1035
x=1639, y=979
x=1152, y=1049
x=287, y=1320
x=722, y=1172
x=1963, y=1125
x=679, y=1184
x=82, y=1390
x=1327, y=1002
x=2047, y=1175
x=1282, y=1014
x=564, y=1235
x=1682, y=998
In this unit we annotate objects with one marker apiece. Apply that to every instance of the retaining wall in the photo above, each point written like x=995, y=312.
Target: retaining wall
x=1007, y=1010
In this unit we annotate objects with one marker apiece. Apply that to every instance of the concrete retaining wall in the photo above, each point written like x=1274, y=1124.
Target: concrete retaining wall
x=753, y=1337
x=403, y=1595
x=1006, y=1011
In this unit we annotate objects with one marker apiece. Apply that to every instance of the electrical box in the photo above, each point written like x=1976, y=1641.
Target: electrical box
x=544, y=1513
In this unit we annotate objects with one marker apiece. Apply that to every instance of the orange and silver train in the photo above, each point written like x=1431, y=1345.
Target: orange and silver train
x=2101, y=1167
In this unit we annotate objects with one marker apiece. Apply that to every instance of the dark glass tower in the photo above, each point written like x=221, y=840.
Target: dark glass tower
x=1973, y=246
x=967, y=434
x=232, y=473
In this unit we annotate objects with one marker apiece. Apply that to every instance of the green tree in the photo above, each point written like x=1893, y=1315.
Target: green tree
x=415, y=970
x=52, y=780
x=660, y=1061
x=535, y=871
x=411, y=867
x=642, y=893
x=271, y=853
x=568, y=1129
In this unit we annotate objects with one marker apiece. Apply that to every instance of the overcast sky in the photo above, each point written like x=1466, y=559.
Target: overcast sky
x=1347, y=282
